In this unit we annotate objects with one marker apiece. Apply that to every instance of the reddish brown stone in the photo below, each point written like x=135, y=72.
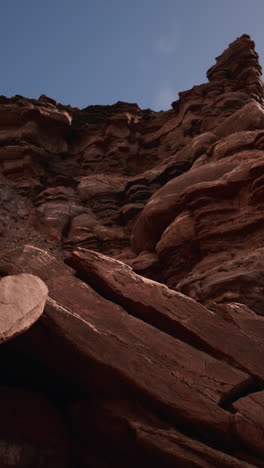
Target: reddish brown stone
x=177, y=195
x=30, y=259
x=249, y=421
x=171, y=311
x=103, y=333
x=22, y=301
x=141, y=436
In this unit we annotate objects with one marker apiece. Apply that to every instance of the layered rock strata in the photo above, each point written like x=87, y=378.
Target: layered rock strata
x=150, y=365
x=145, y=346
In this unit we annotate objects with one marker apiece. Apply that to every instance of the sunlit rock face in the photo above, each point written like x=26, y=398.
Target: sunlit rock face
x=206, y=225
x=132, y=278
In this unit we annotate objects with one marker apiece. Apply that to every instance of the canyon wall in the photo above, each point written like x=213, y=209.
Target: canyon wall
x=147, y=228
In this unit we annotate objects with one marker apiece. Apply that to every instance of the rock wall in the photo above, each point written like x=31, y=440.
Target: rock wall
x=147, y=230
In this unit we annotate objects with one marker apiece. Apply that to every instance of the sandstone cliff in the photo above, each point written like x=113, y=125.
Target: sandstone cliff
x=147, y=229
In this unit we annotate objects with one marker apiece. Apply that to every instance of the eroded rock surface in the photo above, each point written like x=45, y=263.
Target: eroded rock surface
x=191, y=369
x=150, y=347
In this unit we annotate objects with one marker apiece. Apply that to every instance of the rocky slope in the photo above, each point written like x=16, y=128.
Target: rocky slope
x=147, y=229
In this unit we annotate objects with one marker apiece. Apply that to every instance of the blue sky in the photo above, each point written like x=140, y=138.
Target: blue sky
x=84, y=52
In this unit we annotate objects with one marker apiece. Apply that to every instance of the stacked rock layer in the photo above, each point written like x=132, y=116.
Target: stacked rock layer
x=147, y=349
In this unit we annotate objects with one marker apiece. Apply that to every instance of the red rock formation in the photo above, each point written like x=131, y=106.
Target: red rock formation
x=150, y=347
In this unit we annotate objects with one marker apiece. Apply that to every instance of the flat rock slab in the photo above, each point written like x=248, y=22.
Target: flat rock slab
x=145, y=437
x=173, y=312
x=243, y=318
x=108, y=350
x=128, y=351
x=30, y=259
x=249, y=421
x=22, y=301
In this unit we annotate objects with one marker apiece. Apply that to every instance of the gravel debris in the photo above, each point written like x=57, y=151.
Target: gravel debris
x=15, y=226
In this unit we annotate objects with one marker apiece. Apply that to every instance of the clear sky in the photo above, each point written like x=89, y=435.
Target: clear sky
x=84, y=52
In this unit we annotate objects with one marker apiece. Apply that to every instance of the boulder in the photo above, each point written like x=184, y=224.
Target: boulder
x=22, y=301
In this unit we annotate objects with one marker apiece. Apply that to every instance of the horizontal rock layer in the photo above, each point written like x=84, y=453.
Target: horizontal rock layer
x=150, y=346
